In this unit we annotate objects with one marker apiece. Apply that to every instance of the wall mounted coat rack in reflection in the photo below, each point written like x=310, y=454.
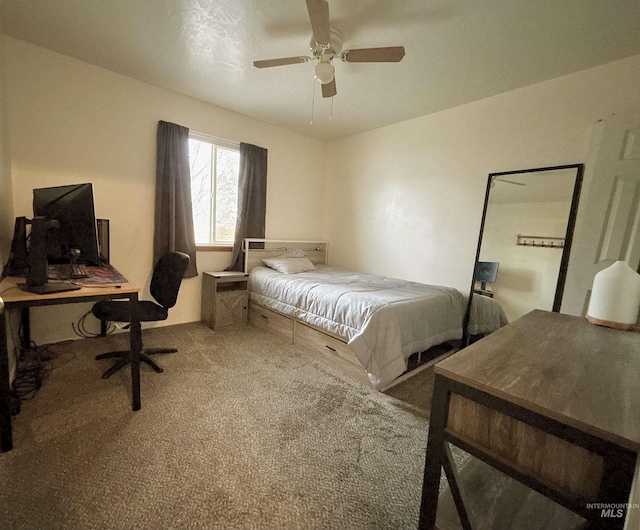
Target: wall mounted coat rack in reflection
x=540, y=241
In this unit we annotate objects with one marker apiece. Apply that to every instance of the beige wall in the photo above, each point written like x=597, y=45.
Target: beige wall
x=406, y=200
x=527, y=276
x=6, y=203
x=71, y=122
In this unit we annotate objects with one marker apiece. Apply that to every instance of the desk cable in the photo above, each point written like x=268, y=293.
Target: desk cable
x=81, y=330
x=33, y=366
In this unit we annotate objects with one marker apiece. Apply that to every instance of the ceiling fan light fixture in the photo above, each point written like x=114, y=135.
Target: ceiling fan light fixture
x=324, y=72
x=326, y=44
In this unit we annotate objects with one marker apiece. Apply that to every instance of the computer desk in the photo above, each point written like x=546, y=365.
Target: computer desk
x=12, y=297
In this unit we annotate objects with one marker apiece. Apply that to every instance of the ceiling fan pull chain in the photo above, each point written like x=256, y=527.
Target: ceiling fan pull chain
x=313, y=100
x=331, y=113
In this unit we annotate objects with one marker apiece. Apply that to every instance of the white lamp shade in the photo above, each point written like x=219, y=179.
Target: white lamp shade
x=324, y=72
x=615, y=297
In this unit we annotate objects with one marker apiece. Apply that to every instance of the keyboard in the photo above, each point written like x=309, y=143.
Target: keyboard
x=67, y=271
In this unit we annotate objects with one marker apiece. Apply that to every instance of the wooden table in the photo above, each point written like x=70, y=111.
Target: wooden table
x=551, y=401
x=13, y=297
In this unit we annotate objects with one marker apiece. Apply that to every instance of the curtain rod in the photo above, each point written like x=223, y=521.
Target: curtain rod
x=214, y=139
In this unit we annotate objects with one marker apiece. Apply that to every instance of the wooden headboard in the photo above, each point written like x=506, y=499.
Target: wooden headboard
x=255, y=250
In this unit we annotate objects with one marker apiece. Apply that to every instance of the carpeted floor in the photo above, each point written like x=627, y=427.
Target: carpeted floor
x=241, y=431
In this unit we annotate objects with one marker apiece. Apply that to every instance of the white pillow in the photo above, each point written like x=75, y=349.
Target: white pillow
x=289, y=265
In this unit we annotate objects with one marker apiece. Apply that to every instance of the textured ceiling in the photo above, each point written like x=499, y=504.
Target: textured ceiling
x=543, y=186
x=457, y=51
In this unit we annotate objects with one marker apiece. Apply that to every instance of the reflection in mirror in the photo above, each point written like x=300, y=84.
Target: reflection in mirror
x=525, y=238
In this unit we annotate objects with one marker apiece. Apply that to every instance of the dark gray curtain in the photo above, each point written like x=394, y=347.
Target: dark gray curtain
x=173, y=214
x=252, y=199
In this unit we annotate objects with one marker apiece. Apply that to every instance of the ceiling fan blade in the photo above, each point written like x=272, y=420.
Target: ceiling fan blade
x=391, y=54
x=329, y=90
x=509, y=181
x=319, y=17
x=267, y=63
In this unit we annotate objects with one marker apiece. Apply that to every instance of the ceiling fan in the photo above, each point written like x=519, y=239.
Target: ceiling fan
x=498, y=179
x=326, y=44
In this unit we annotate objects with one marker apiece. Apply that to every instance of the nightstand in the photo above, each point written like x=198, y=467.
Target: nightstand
x=225, y=298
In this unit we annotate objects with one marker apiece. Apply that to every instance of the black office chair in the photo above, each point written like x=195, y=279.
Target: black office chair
x=165, y=284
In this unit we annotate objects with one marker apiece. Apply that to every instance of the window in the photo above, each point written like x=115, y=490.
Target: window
x=214, y=189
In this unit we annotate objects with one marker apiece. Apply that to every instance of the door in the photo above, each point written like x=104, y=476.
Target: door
x=608, y=221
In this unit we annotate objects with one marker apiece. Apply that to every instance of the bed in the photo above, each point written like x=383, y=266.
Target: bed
x=371, y=321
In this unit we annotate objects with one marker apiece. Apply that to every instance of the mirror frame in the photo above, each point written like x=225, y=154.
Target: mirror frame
x=564, y=262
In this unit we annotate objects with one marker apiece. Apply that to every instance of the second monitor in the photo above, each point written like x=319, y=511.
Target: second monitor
x=486, y=272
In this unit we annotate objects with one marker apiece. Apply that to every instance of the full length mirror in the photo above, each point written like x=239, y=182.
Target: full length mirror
x=525, y=238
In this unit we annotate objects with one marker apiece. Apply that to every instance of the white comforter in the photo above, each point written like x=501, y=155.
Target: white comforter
x=384, y=320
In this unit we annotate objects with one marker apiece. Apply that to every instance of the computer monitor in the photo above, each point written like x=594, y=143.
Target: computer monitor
x=71, y=228
x=486, y=272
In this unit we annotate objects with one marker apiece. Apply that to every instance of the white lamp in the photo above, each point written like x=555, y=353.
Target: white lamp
x=324, y=72
x=615, y=297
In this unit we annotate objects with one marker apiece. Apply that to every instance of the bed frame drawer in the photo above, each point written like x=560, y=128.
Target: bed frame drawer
x=271, y=321
x=321, y=342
